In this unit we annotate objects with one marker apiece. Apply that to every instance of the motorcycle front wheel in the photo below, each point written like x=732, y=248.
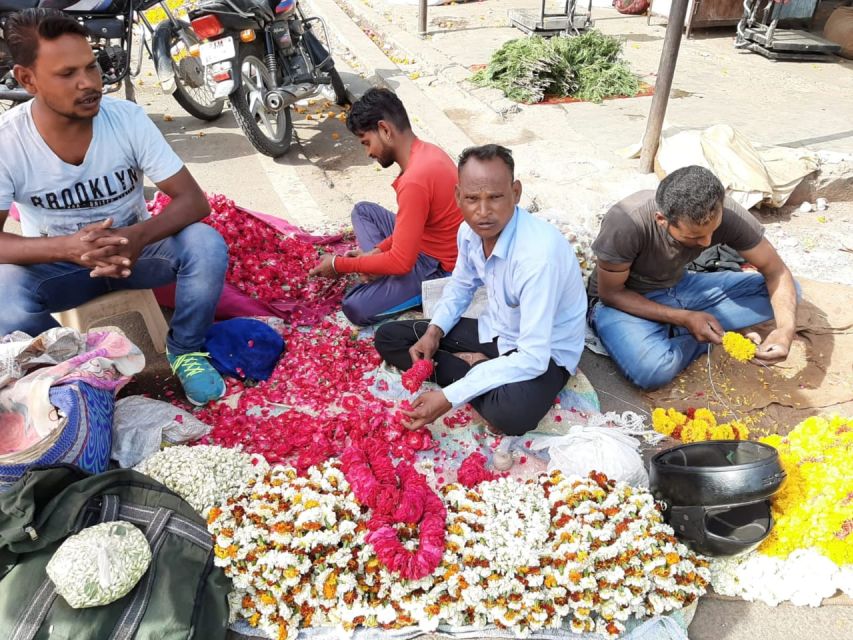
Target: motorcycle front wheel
x=269, y=131
x=193, y=82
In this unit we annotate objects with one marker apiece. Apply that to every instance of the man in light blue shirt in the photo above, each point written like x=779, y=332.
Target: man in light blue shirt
x=511, y=363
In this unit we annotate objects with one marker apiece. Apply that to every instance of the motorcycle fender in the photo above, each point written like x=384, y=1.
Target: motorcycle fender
x=163, y=57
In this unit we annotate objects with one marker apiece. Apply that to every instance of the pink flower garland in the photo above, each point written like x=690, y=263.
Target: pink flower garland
x=473, y=471
x=417, y=374
x=396, y=495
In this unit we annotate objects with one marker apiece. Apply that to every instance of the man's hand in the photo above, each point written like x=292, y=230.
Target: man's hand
x=425, y=348
x=116, y=260
x=325, y=268
x=358, y=253
x=703, y=326
x=365, y=278
x=775, y=347
x=98, y=236
x=427, y=408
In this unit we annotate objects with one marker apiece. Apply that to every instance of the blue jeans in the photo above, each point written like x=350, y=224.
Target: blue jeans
x=650, y=354
x=386, y=296
x=196, y=258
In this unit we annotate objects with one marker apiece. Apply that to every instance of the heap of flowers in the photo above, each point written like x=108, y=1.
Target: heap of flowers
x=738, y=346
x=696, y=425
x=315, y=402
x=203, y=475
x=809, y=553
x=268, y=265
x=814, y=508
x=531, y=555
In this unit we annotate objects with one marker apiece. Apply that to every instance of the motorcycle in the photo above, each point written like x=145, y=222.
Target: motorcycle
x=264, y=56
x=171, y=44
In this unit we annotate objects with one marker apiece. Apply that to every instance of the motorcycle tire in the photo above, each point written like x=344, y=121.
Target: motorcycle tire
x=342, y=98
x=207, y=108
x=250, y=112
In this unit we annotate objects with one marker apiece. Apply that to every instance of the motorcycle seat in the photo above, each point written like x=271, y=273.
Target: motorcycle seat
x=17, y=5
x=261, y=7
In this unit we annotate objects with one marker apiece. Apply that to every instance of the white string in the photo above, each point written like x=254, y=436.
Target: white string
x=714, y=388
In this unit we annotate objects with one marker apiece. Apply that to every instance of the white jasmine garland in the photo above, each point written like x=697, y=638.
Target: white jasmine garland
x=804, y=578
x=203, y=475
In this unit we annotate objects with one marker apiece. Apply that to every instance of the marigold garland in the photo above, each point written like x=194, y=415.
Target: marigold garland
x=696, y=425
x=738, y=347
x=814, y=508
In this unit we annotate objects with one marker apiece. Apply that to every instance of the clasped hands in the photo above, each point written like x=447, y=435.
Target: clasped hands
x=110, y=253
x=706, y=328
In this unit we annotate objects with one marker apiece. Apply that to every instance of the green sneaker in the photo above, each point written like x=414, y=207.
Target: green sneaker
x=202, y=383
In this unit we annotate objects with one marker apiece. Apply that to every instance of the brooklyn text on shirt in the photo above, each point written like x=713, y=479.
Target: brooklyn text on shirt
x=91, y=192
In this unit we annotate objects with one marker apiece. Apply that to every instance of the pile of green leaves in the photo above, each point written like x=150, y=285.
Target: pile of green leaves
x=585, y=67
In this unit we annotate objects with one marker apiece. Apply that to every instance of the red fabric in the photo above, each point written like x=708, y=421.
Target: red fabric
x=233, y=303
x=427, y=217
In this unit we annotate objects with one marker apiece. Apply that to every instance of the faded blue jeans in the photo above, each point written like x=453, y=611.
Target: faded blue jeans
x=650, y=354
x=196, y=259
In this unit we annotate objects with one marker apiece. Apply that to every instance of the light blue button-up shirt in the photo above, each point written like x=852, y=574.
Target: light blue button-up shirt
x=537, y=303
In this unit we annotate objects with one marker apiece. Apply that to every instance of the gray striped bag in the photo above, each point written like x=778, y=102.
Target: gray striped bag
x=181, y=596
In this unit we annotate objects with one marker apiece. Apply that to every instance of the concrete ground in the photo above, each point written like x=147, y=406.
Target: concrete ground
x=565, y=154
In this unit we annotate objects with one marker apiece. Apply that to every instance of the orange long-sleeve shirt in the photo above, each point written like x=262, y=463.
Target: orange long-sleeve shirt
x=427, y=217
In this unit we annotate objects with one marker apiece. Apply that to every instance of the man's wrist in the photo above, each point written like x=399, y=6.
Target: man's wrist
x=435, y=330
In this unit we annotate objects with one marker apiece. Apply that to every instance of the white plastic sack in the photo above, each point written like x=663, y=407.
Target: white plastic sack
x=100, y=564
x=603, y=449
x=141, y=425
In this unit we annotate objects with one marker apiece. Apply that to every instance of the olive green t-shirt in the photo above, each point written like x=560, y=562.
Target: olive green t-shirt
x=630, y=234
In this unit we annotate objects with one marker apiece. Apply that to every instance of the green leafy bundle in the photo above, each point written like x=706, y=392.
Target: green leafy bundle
x=585, y=67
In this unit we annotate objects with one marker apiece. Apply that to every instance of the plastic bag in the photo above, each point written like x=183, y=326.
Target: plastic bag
x=603, y=449
x=100, y=564
x=142, y=424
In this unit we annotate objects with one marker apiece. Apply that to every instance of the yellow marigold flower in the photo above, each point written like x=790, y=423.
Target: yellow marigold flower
x=679, y=418
x=701, y=427
x=739, y=429
x=722, y=432
x=693, y=432
x=707, y=415
x=738, y=347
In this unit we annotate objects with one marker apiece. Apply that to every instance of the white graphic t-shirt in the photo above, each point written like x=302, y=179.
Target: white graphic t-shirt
x=55, y=198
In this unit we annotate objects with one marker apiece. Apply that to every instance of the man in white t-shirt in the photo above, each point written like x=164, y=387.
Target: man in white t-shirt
x=73, y=163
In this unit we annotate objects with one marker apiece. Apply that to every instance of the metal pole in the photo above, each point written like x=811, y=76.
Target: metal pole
x=422, y=17
x=663, y=84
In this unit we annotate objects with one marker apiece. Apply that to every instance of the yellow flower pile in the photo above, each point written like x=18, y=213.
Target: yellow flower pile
x=696, y=426
x=814, y=508
x=738, y=347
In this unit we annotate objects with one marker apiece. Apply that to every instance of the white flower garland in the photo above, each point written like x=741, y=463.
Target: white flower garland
x=804, y=578
x=203, y=475
x=522, y=555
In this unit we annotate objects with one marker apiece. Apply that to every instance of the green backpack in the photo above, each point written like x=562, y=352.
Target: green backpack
x=182, y=596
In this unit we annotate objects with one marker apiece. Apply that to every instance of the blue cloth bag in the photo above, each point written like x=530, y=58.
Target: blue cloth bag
x=244, y=348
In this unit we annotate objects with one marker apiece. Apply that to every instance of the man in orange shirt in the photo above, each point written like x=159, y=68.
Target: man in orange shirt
x=397, y=253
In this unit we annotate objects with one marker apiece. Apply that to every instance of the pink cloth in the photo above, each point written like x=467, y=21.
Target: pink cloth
x=13, y=213
x=26, y=414
x=233, y=303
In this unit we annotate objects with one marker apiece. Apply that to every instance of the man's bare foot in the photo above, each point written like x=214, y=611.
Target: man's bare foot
x=487, y=427
x=471, y=357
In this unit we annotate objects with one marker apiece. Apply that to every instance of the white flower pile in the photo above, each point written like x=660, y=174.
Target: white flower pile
x=521, y=555
x=203, y=475
x=804, y=578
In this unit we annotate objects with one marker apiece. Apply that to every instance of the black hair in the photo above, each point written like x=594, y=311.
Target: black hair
x=24, y=29
x=377, y=104
x=488, y=152
x=690, y=193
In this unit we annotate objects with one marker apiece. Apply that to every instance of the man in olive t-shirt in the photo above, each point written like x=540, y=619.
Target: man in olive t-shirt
x=652, y=315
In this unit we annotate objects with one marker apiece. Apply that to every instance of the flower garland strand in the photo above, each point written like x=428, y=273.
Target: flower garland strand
x=738, y=346
x=696, y=425
x=417, y=374
x=396, y=495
